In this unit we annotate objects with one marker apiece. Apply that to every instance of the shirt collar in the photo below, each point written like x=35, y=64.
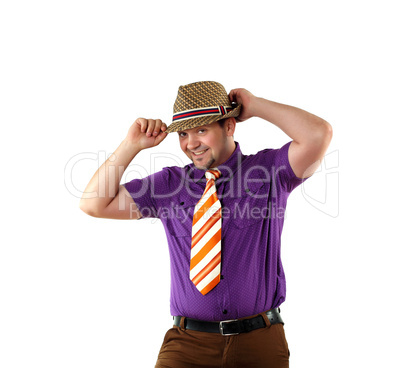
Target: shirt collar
x=228, y=168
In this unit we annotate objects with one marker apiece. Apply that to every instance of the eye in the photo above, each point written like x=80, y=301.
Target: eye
x=201, y=130
x=182, y=134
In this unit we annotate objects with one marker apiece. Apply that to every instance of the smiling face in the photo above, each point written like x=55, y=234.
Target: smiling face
x=209, y=145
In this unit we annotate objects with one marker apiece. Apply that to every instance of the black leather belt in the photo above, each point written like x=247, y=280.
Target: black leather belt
x=233, y=326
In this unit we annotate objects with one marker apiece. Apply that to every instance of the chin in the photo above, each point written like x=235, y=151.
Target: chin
x=206, y=166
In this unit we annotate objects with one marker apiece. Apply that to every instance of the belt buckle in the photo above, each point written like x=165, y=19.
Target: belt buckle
x=221, y=328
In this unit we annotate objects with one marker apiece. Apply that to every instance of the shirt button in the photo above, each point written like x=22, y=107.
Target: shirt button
x=224, y=311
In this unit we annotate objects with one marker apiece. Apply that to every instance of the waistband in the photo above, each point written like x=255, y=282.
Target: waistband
x=230, y=327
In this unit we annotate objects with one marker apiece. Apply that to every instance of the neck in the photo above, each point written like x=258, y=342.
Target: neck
x=228, y=152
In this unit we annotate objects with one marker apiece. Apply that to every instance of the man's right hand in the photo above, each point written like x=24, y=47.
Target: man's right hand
x=146, y=133
x=103, y=196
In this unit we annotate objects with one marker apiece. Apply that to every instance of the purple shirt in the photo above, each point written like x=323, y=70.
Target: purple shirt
x=253, y=190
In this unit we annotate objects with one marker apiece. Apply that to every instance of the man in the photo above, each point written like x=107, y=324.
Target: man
x=223, y=215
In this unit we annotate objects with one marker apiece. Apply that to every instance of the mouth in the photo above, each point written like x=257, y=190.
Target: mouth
x=199, y=153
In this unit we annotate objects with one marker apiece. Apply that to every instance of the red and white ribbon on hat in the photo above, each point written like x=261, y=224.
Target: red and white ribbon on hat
x=197, y=113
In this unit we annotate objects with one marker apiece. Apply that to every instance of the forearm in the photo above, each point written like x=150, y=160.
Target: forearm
x=301, y=126
x=104, y=185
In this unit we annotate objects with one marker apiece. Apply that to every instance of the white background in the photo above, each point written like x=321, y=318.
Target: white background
x=77, y=291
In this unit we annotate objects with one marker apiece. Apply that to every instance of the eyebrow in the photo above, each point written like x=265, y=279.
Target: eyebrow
x=203, y=127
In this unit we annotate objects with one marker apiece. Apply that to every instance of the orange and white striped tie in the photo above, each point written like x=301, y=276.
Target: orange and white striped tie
x=205, y=264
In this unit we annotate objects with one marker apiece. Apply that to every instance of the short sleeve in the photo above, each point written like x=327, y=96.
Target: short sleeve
x=142, y=191
x=280, y=171
x=286, y=178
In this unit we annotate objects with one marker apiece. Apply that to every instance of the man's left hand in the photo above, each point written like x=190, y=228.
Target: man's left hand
x=246, y=99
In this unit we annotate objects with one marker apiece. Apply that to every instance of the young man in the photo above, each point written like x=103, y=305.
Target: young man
x=223, y=215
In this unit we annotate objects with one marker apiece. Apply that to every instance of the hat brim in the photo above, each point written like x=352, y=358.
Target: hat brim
x=204, y=120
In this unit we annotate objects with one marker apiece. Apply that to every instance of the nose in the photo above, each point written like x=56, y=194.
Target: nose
x=192, y=142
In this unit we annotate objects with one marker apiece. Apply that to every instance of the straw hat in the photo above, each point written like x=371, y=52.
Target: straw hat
x=201, y=103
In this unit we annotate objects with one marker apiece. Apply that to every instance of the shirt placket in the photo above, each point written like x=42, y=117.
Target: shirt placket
x=223, y=297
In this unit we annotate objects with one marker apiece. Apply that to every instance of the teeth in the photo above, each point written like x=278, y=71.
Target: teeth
x=199, y=153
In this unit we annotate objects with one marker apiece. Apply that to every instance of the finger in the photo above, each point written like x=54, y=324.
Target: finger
x=151, y=126
x=143, y=124
x=163, y=127
x=232, y=95
x=157, y=128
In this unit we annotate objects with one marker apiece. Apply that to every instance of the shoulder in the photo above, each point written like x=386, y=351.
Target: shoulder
x=169, y=177
x=274, y=163
x=173, y=174
x=159, y=182
x=265, y=157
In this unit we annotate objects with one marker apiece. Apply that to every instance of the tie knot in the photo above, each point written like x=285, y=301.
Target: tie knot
x=212, y=174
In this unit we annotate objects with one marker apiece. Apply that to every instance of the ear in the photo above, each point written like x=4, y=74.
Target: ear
x=230, y=126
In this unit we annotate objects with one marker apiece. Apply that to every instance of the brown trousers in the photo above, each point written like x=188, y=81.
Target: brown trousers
x=264, y=347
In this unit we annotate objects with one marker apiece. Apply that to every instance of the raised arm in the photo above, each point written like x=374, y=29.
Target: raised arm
x=103, y=196
x=311, y=135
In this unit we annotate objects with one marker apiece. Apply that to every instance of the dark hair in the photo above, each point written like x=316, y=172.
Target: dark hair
x=222, y=123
